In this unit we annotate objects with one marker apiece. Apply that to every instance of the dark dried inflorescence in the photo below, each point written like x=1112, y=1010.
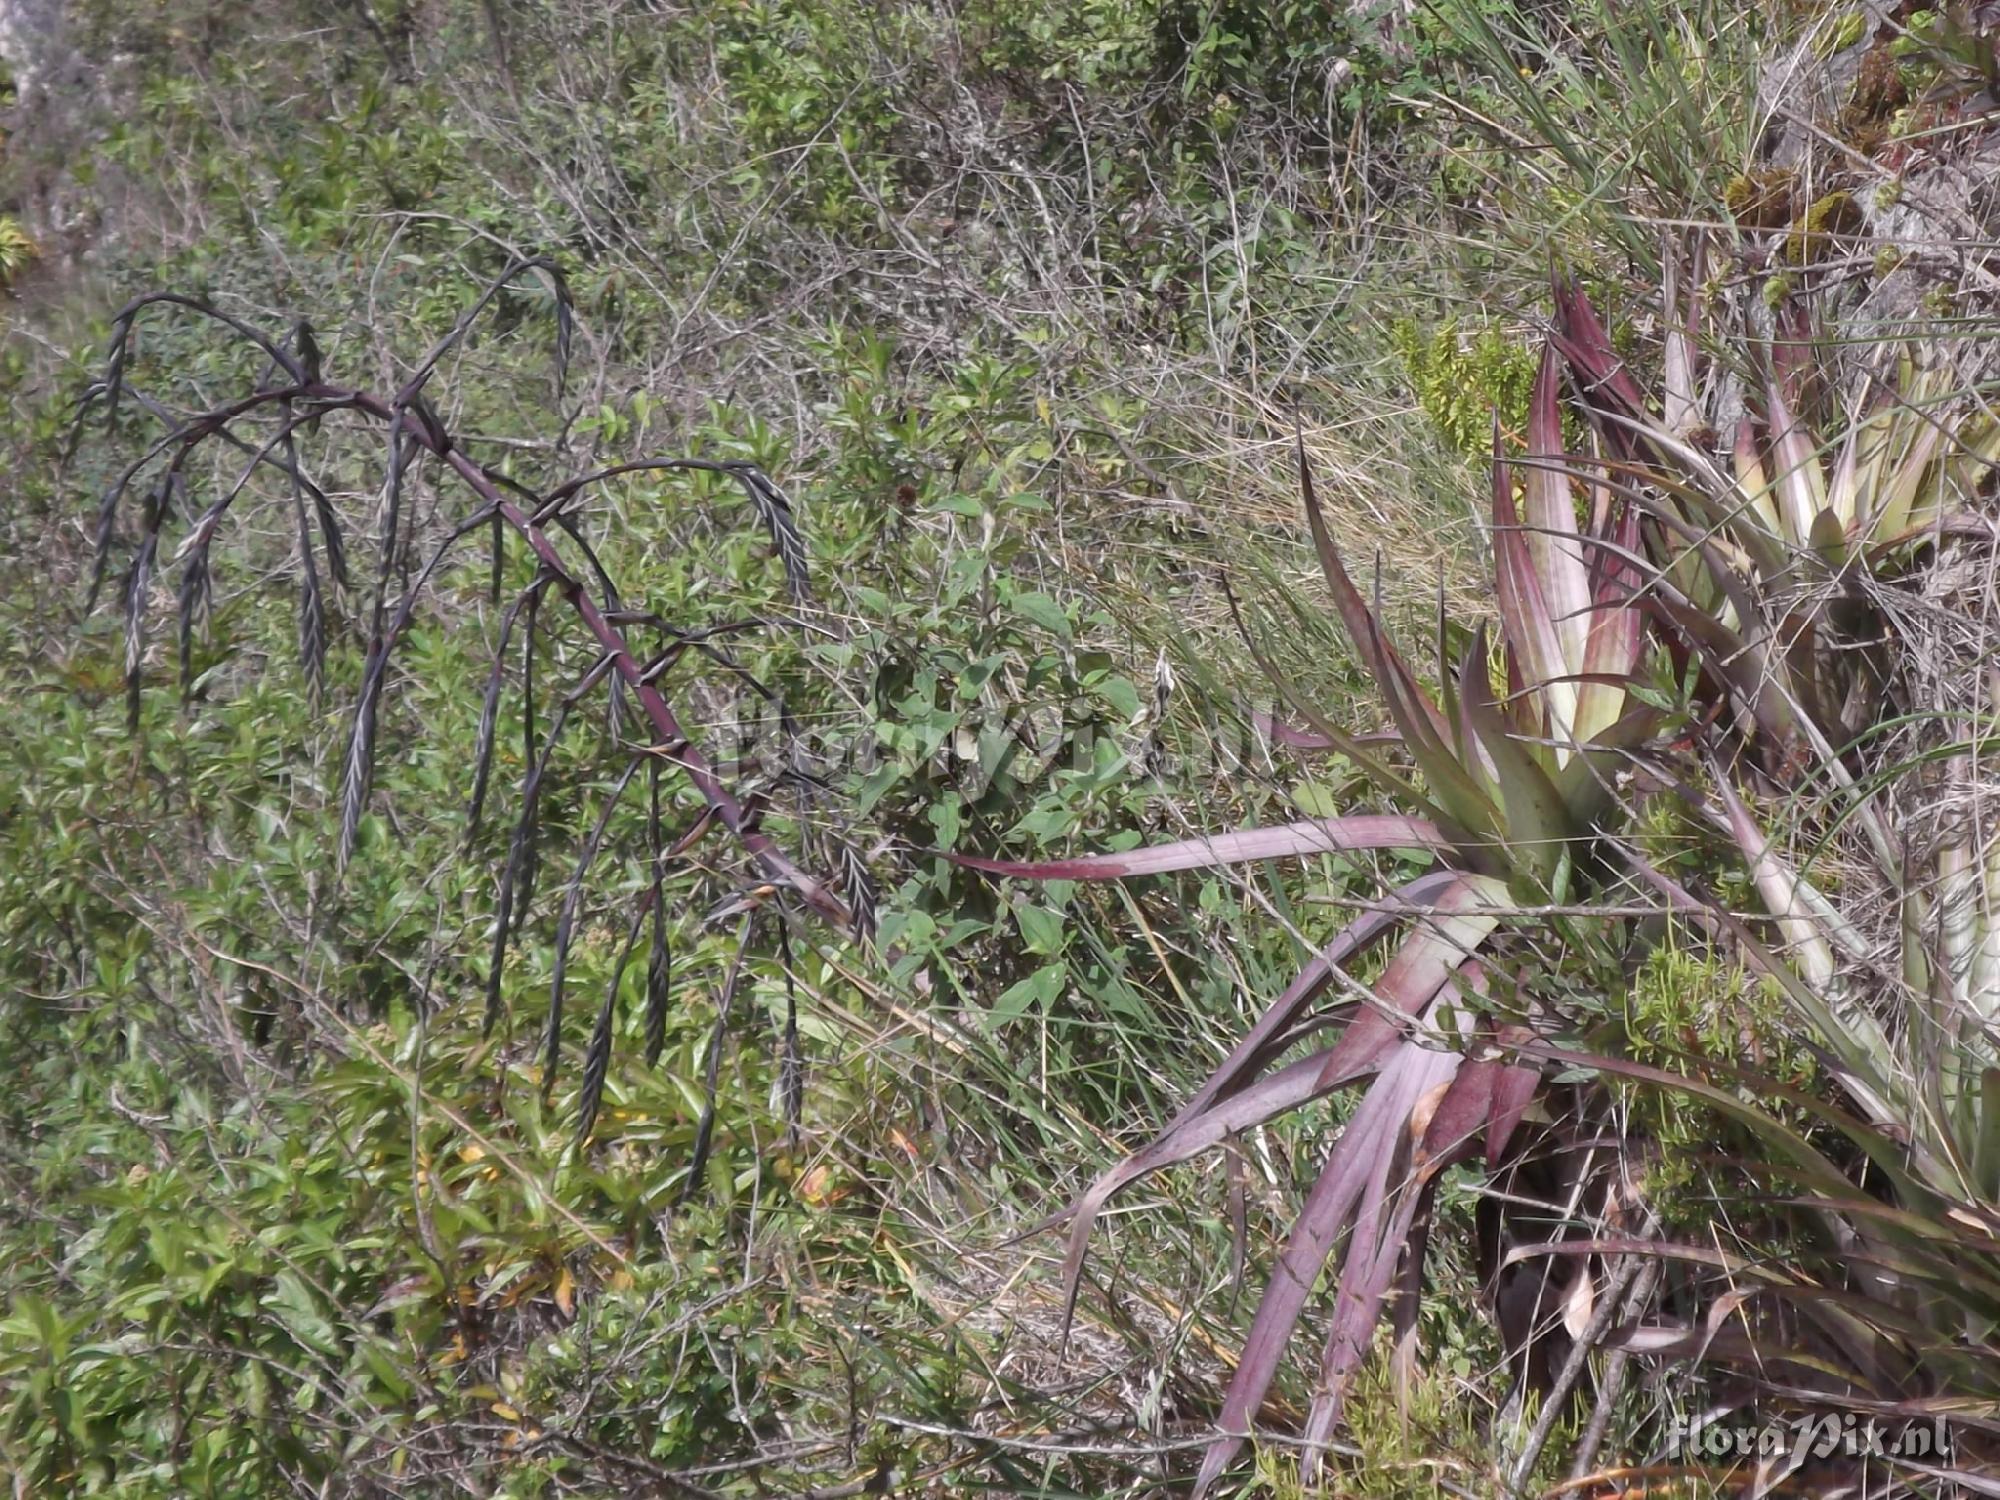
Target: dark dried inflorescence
x=293, y=398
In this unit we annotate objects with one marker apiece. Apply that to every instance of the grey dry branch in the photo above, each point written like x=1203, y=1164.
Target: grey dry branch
x=296, y=394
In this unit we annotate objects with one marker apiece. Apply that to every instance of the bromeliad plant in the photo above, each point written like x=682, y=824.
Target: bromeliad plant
x=1904, y=460
x=1776, y=572
x=1768, y=557
x=1507, y=788
x=1889, y=1310
x=268, y=426
x=1758, y=579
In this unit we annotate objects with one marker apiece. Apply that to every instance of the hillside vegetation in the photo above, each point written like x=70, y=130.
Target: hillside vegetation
x=1079, y=750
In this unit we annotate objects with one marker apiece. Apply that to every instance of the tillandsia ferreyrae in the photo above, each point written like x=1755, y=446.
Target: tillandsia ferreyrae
x=295, y=398
x=1505, y=788
x=1898, y=1162
x=1767, y=555
x=1777, y=569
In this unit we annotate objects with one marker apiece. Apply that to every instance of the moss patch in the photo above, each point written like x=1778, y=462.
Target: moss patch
x=1761, y=200
x=1879, y=92
x=1843, y=34
x=1817, y=232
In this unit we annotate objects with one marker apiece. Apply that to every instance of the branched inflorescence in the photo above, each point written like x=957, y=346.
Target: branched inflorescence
x=294, y=396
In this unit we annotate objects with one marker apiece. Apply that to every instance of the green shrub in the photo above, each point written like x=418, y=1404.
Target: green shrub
x=1461, y=377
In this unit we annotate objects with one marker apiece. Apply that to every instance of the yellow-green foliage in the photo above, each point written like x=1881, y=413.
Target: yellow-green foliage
x=16, y=249
x=1685, y=1006
x=1813, y=236
x=1684, y=1003
x=1843, y=34
x=1427, y=1445
x=1761, y=200
x=1462, y=377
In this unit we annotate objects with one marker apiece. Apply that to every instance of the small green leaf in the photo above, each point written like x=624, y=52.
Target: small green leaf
x=946, y=819
x=1317, y=801
x=1041, y=929
x=298, y=1310
x=1043, y=611
x=1120, y=694
x=1038, y=989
